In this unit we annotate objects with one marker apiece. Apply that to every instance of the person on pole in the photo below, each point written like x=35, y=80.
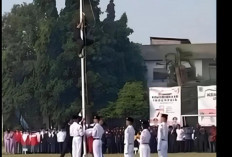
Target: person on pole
x=87, y=38
x=129, y=134
x=162, y=146
x=144, y=147
x=97, y=131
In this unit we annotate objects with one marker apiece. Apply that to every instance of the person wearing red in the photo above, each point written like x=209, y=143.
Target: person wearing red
x=17, y=139
x=212, y=138
x=34, y=141
x=90, y=144
x=89, y=140
x=25, y=141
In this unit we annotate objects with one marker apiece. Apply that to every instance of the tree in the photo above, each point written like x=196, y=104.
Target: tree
x=132, y=100
x=41, y=67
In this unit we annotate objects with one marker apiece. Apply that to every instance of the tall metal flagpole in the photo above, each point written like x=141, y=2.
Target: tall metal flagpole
x=83, y=80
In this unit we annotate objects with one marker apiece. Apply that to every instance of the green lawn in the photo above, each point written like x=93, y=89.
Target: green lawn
x=111, y=155
x=117, y=155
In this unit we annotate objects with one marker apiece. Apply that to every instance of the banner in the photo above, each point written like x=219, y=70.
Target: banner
x=207, y=105
x=165, y=100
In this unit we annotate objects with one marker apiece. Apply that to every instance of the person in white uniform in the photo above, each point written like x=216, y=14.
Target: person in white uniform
x=76, y=131
x=144, y=147
x=97, y=131
x=162, y=137
x=129, y=138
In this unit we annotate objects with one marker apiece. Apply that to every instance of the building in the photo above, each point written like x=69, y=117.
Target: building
x=198, y=62
x=168, y=41
x=201, y=66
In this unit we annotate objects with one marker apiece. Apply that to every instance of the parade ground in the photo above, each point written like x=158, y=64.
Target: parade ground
x=110, y=155
x=116, y=155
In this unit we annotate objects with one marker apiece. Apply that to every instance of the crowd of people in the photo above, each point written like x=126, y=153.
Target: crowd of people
x=180, y=139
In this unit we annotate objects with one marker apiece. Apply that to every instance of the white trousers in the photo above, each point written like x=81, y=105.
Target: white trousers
x=76, y=146
x=163, y=149
x=130, y=150
x=144, y=150
x=97, y=148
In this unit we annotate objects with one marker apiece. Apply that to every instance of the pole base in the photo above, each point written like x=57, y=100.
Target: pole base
x=84, y=155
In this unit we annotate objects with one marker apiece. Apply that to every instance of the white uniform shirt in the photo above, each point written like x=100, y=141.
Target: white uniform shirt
x=180, y=134
x=61, y=136
x=162, y=134
x=129, y=135
x=145, y=137
x=97, y=131
x=76, y=130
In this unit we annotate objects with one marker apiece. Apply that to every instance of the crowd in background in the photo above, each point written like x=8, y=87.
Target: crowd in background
x=180, y=139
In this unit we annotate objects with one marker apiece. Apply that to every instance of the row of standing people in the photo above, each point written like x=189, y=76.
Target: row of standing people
x=44, y=141
x=113, y=141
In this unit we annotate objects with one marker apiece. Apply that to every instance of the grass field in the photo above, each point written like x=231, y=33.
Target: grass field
x=116, y=155
x=111, y=155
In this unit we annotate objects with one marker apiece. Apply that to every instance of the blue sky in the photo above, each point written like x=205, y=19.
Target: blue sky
x=192, y=19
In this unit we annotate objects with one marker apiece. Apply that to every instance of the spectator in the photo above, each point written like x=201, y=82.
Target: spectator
x=188, y=138
x=60, y=139
x=196, y=138
x=212, y=139
x=12, y=142
x=7, y=140
x=34, y=141
x=203, y=140
x=180, y=139
x=25, y=141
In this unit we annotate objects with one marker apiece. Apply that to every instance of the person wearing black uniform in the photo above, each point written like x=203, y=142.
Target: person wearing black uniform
x=196, y=138
x=172, y=139
x=67, y=145
x=53, y=141
x=203, y=140
x=45, y=142
x=188, y=131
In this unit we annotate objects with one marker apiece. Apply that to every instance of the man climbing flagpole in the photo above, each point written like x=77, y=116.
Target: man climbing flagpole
x=83, y=80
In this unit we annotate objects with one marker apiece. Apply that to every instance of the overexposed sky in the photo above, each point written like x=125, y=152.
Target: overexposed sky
x=191, y=19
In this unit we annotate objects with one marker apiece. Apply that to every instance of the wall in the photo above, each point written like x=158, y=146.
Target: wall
x=149, y=75
x=198, y=66
x=206, y=67
x=164, y=42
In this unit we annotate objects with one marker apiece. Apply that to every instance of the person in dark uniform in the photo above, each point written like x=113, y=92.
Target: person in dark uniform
x=118, y=142
x=152, y=139
x=49, y=141
x=188, y=138
x=44, y=140
x=67, y=145
x=122, y=140
x=203, y=140
x=196, y=133
x=53, y=141
x=172, y=139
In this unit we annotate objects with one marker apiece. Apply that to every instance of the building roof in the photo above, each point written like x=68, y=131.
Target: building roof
x=183, y=41
x=158, y=52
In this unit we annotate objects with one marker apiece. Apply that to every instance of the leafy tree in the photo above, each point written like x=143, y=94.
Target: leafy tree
x=132, y=100
x=41, y=67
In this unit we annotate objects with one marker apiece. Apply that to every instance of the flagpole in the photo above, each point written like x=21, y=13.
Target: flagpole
x=83, y=80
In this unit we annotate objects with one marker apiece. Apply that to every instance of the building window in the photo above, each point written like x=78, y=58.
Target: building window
x=212, y=71
x=160, y=74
